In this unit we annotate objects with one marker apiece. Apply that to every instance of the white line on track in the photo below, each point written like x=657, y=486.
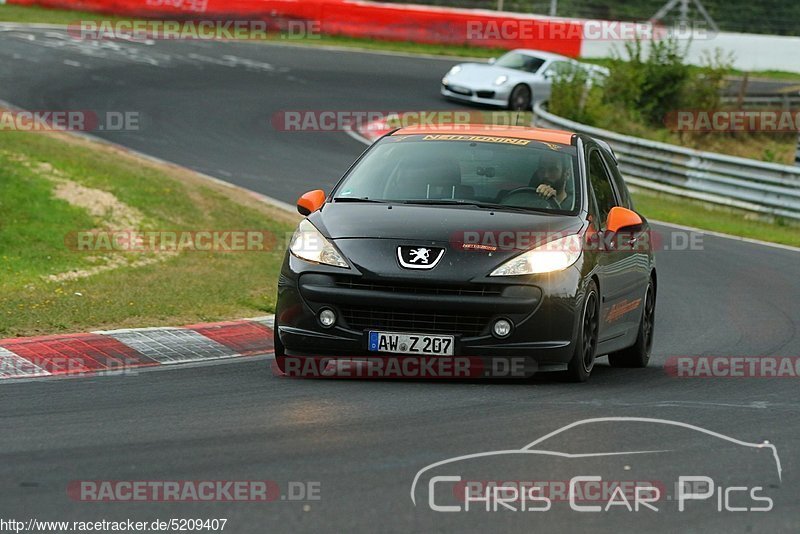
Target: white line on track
x=5, y=26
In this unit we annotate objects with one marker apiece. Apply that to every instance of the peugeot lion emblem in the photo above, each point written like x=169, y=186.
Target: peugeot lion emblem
x=419, y=257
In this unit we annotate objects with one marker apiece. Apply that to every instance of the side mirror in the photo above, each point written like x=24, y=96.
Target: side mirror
x=619, y=218
x=310, y=202
x=492, y=60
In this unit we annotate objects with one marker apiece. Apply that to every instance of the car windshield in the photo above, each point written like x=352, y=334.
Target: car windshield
x=472, y=170
x=518, y=61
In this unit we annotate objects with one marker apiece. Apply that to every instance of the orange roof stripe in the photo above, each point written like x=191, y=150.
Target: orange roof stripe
x=518, y=132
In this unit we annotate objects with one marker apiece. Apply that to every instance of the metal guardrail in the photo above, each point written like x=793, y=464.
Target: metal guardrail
x=775, y=101
x=766, y=188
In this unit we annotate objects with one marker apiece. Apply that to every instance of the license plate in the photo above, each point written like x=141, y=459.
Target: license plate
x=411, y=343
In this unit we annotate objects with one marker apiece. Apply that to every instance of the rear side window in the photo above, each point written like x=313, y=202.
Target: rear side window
x=601, y=184
x=619, y=183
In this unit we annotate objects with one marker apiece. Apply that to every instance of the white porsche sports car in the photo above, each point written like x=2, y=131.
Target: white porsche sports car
x=515, y=81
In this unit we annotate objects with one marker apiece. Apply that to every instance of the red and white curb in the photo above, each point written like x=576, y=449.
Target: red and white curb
x=370, y=132
x=121, y=350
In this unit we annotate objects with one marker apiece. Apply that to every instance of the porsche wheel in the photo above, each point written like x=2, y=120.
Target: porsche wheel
x=520, y=99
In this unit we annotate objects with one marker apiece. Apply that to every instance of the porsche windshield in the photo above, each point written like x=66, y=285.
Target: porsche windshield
x=498, y=172
x=518, y=61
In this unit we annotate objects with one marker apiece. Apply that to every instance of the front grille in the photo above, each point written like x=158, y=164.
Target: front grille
x=460, y=291
x=361, y=318
x=458, y=90
x=485, y=94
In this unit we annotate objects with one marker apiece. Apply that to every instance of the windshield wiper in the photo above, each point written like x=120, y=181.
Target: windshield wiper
x=442, y=201
x=484, y=205
x=358, y=199
x=494, y=206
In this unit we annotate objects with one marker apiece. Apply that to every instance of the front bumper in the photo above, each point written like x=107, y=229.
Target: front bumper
x=496, y=97
x=543, y=310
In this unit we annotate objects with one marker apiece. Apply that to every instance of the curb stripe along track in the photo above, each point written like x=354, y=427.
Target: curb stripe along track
x=121, y=350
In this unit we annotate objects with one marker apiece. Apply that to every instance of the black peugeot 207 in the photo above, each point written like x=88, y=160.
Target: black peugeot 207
x=472, y=241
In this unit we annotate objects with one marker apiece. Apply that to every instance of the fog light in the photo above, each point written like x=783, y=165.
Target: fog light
x=501, y=328
x=327, y=317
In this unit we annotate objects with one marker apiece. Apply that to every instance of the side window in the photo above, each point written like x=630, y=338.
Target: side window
x=601, y=184
x=619, y=183
x=594, y=213
x=532, y=64
x=558, y=67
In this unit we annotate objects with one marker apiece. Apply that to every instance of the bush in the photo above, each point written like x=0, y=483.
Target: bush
x=638, y=95
x=569, y=93
x=642, y=89
x=703, y=89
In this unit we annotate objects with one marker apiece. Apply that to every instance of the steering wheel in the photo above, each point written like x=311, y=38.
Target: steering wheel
x=529, y=198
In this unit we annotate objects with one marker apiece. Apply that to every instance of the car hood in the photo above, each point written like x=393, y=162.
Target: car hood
x=369, y=236
x=481, y=74
x=441, y=224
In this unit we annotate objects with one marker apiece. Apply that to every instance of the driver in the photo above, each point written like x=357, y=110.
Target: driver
x=550, y=178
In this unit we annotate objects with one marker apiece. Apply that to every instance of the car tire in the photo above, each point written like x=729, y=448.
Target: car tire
x=520, y=99
x=638, y=355
x=583, y=359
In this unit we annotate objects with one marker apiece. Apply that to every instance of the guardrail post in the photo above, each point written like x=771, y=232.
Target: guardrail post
x=797, y=152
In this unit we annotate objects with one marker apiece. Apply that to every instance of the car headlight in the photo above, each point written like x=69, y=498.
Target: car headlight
x=309, y=244
x=548, y=258
x=501, y=80
x=455, y=70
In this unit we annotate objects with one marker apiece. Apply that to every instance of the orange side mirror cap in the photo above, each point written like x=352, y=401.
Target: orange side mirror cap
x=310, y=202
x=619, y=218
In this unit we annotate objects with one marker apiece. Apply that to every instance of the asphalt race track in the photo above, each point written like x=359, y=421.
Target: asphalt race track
x=208, y=106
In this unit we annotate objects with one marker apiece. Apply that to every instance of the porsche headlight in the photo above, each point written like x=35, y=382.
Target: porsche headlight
x=309, y=244
x=455, y=70
x=501, y=80
x=548, y=258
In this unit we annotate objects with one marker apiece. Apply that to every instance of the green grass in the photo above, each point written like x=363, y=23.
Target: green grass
x=458, y=51
x=35, y=14
x=179, y=289
x=667, y=208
